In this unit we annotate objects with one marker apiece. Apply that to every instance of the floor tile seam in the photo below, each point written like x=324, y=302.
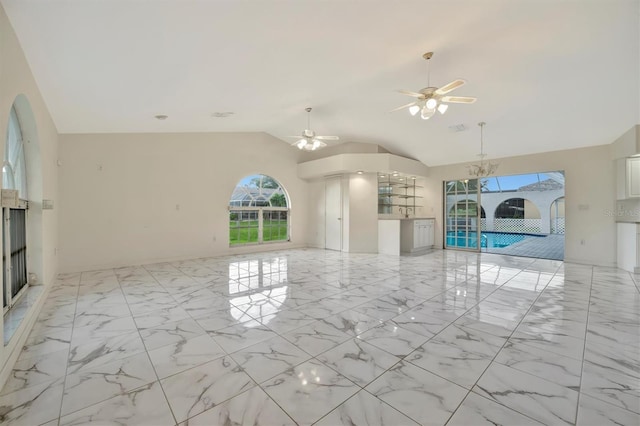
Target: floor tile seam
x=598, y=397
x=495, y=402
x=467, y=311
x=494, y=360
x=401, y=357
x=531, y=374
x=146, y=351
x=369, y=393
x=66, y=367
x=271, y=377
x=584, y=349
x=528, y=345
x=252, y=381
x=349, y=337
x=411, y=331
x=58, y=377
x=135, y=389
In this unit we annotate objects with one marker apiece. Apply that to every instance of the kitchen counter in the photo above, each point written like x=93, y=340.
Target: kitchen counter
x=405, y=235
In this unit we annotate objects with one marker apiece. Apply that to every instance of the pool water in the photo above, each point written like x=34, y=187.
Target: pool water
x=487, y=239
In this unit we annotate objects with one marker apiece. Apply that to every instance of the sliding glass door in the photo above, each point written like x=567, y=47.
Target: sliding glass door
x=462, y=216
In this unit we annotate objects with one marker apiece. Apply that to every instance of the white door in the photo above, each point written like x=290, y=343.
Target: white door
x=333, y=213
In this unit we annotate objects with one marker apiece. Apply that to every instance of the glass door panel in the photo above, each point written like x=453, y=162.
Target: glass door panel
x=461, y=213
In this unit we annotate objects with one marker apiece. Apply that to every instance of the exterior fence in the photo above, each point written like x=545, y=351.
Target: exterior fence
x=557, y=225
x=513, y=225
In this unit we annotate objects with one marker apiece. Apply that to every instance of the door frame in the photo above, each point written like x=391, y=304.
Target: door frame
x=445, y=215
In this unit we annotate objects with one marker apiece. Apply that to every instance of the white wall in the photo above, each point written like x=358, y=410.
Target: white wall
x=589, y=197
x=139, y=198
x=17, y=82
x=359, y=213
x=363, y=213
x=317, y=217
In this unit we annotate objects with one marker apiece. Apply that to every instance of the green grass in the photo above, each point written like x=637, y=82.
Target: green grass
x=244, y=232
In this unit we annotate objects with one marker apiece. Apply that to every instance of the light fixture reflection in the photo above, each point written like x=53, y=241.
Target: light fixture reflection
x=413, y=110
x=442, y=108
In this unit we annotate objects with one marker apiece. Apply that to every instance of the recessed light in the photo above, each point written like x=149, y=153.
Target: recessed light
x=161, y=117
x=222, y=114
x=413, y=177
x=400, y=179
x=381, y=176
x=395, y=174
x=360, y=172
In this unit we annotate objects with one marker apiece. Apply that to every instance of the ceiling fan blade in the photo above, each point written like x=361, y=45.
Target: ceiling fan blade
x=413, y=94
x=404, y=106
x=451, y=86
x=297, y=136
x=328, y=138
x=459, y=99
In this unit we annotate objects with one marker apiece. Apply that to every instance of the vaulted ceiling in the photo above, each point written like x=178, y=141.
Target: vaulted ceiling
x=548, y=75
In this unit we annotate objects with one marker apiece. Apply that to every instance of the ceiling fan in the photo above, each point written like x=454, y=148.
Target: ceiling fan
x=430, y=99
x=309, y=140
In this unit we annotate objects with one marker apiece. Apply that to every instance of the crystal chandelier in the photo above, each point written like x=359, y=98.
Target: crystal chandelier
x=483, y=168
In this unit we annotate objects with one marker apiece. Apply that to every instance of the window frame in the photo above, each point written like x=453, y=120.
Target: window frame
x=249, y=200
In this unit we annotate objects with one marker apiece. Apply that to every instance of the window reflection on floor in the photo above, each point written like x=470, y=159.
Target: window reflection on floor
x=260, y=287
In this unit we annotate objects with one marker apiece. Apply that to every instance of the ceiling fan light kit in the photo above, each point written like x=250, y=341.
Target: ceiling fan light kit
x=309, y=140
x=432, y=99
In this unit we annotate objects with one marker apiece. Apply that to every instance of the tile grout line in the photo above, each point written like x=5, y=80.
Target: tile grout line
x=584, y=348
x=145, y=346
x=66, y=368
x=501, y=348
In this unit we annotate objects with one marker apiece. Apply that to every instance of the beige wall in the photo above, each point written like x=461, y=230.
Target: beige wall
x=139, y=198
x=16, y=81
x=589, y=195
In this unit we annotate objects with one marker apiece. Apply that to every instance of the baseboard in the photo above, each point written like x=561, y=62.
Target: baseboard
x=231, y=251
x=591, y=262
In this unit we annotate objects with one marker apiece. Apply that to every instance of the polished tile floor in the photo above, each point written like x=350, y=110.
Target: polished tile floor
x=327, y=338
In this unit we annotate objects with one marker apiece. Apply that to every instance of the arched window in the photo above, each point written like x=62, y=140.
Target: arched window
x=258, y=211
x=466, y=208
x=14, y=170
x=14, y=224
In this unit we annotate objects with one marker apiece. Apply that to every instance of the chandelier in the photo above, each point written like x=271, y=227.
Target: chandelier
x=483, y=168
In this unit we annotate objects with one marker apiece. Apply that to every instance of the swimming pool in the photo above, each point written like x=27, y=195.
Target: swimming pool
x=488, y=239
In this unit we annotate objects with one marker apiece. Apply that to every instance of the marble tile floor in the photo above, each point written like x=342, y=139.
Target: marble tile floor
x=319, y=337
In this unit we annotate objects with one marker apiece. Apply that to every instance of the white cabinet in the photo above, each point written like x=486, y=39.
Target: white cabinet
x=633, y=177
x=629, y=247
x=416, y=235
x=628, y=178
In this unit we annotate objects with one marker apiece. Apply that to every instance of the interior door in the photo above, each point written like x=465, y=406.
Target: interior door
x=462, y=230
x=333, y=213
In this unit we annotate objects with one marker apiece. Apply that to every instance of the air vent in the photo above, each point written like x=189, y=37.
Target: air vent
x=222, y=114
x=457, y=128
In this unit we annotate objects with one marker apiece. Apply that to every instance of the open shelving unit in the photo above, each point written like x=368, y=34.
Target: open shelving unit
x=397, y=192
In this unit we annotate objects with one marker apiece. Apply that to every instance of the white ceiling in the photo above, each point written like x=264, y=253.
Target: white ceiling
x=548, y=74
